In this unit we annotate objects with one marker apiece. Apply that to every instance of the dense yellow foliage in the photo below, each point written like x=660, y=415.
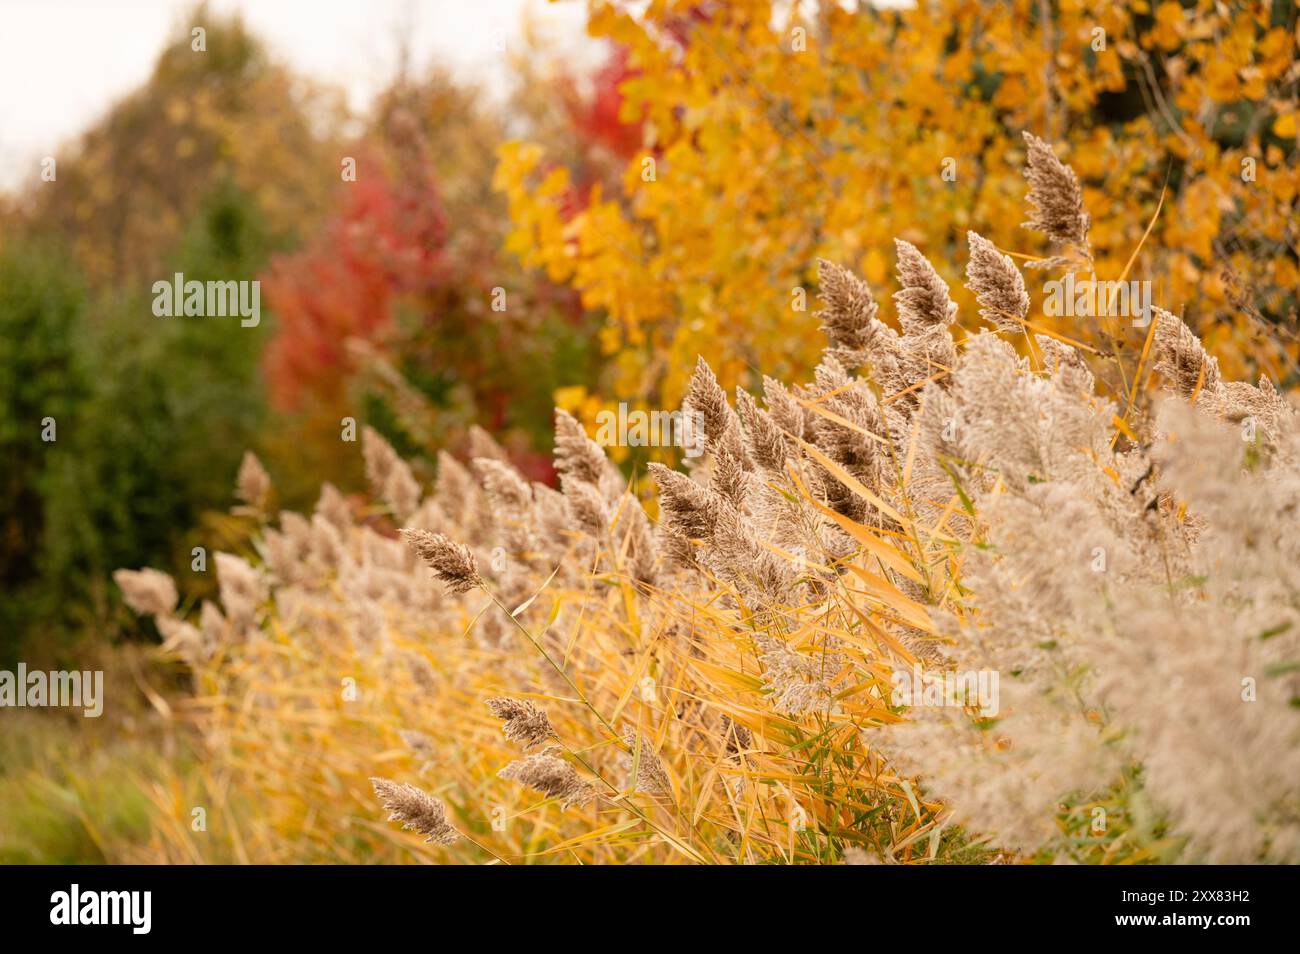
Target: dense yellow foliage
x=772, y=138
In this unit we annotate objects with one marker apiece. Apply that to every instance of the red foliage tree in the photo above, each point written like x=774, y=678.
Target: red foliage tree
x=388, y=241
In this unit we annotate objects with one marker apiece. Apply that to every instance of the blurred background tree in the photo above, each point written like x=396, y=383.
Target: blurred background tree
x=42, y=375
x=405, y=305
x=173, y=405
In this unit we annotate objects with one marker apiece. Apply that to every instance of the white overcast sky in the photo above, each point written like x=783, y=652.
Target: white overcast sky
x=64, y=62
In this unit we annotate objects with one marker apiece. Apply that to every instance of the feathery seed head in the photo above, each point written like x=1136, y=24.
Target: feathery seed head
x=551, y=775
x=707, y=403
x=149, y=592
x=1057, y=202
x=649, y=775
x=451, y=562
x=525, y=723
x=688, y=508
x=848, y=308
x=1182, y=358
x=389, y=476
x=253, y=483
x=577, y=456
x=417, y=742
x=997, y=284
x=786, y=412
x=767, y=446
x=416, y=809
x=923, y=302
x=586, y=507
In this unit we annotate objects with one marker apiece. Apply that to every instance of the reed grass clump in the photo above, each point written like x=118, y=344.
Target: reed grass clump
x=572, y=680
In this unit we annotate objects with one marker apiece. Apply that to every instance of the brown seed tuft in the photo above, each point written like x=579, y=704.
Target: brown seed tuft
x=416, y=809
x=525, y=723
x=1057, y=203
x=552, y=776
x=997, y=284
x=453, y=563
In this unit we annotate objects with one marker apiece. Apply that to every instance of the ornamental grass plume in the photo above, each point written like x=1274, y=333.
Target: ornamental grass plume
x=923, y=302
x=849, y=309
x=525, y=723
x=422, y=674
x=552, y=776
x=333, y=508
x=643, y=770
x=688, y=509
x=253, y=483
x=586, y=508
x=766, y=442
x=784, y=408
x=243, y=590
x=579, y=458
x=1057, y=203
x=513, y=505
x=707, y=401
x=417, y=810
x=389, y=476
x=148, y=592
x=452, y=563
x=1182, y=359
x=212, y=623
x=997, y=284
x=799, y=683
x=1101, y=605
